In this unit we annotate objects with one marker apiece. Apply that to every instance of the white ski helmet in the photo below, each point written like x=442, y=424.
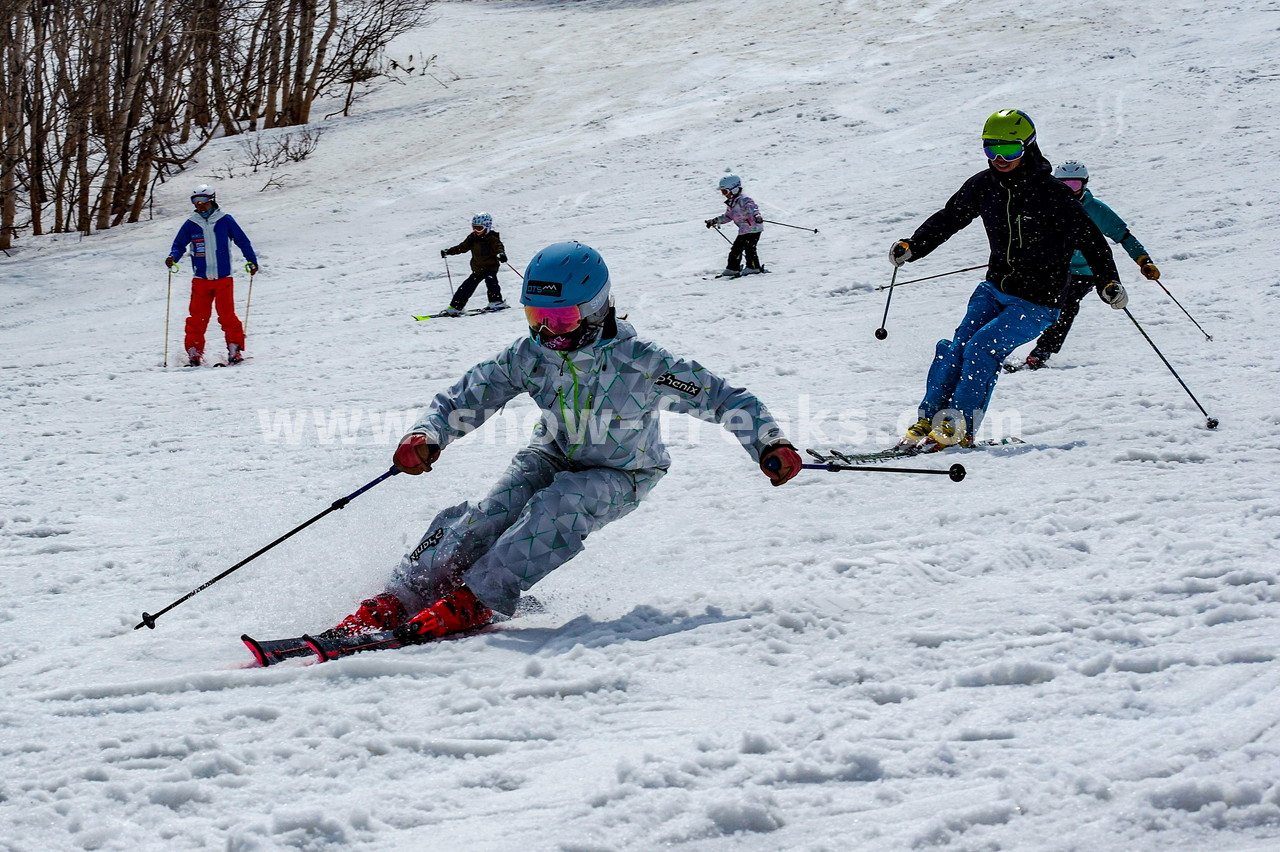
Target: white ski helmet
x=482, y=220
x=203, y=192
x=732, y=183
x=1071, y=170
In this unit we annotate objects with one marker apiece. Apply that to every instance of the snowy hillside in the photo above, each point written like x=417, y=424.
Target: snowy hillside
x=1077, y=648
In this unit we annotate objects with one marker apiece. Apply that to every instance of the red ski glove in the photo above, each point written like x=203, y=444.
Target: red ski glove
x=415, y=454
x=780, y=463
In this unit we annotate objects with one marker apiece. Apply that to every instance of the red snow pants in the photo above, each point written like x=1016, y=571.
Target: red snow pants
x=206, y=294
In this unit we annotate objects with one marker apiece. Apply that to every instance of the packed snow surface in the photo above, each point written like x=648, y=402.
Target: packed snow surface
x=1075, y=648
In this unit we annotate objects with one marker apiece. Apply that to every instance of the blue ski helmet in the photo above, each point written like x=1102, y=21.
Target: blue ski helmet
x=733, y=183
x=482, y=220
x=566, y=296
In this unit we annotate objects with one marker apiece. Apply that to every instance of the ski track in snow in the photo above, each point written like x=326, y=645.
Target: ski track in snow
x=1073, y=649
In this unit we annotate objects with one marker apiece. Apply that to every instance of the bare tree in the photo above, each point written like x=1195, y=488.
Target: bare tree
x=101, y=99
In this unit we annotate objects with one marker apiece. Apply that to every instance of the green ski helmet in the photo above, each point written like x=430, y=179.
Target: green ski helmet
x=1009, y=125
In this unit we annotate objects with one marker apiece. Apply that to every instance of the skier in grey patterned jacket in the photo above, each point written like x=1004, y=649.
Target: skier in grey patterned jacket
x=595, y=454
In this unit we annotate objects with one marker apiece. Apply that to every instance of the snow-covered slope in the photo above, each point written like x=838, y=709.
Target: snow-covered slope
x=1073, y=649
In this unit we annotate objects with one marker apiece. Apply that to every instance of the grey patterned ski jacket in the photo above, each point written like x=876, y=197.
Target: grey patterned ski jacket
x=601, y=404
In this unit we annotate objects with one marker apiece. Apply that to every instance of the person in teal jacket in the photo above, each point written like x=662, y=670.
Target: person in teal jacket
x=1076, y=176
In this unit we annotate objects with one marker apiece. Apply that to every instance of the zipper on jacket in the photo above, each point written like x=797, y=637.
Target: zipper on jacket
x=573, y=372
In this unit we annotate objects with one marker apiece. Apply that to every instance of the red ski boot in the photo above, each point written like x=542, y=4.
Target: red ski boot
x=457, y=611
x=384, y=612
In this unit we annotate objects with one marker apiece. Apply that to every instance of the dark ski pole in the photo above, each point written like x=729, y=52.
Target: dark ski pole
x=1211, y=422
x=1206, y=334
x=516, y=271
x=797, y=227
x=722, y=236
x=149, y=620
x=927, y=277
x=956, y=472
x=882, y=332
x=248, y=302
x=449, y=275
x=168, y=297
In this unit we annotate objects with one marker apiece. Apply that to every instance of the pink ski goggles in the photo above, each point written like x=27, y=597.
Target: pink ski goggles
x=1073, y=184
x=554, y=320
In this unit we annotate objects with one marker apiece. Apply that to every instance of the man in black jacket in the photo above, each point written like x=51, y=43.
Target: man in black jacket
x=1034, y=224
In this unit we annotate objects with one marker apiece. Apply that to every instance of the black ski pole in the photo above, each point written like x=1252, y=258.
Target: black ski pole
x=785, y=225
x=450, y=277
x=927, y=277
x=516, y=271
x=1211, y=422
x=882, y=332
x=149, y=620
x=1206, y=334
x=722, y=236
x=956, y=472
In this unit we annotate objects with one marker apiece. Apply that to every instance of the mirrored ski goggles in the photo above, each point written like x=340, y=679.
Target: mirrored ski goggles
x=201, y=199
x=554, y=320
x=1008, y=151
x=1073, y=184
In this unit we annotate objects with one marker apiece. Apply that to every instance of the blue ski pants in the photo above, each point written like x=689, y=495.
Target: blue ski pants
x=965, y=368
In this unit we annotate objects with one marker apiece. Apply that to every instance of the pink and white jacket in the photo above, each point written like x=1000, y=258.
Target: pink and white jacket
x=744, y=213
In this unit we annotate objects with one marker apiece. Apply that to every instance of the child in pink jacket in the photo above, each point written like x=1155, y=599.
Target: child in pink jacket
x=744, y=213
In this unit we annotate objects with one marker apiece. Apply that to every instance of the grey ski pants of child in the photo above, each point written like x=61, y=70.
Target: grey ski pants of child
x=533, y=521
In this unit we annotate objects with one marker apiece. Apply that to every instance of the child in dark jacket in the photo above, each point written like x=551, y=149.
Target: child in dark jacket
x=487, y=256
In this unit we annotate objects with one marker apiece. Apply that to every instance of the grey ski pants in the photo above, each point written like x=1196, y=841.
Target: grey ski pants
x=533, y=521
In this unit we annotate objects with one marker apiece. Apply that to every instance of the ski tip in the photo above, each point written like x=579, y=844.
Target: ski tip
x=256, y=649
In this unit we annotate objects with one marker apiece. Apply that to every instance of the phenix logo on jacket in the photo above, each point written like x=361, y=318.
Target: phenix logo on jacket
x=210, y=240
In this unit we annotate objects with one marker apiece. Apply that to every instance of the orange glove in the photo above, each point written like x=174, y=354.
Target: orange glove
x=780, y=463
x=415, y=454
x=1149, y=270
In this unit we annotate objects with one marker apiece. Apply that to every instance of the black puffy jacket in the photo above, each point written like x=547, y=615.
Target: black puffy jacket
x=1034, y=224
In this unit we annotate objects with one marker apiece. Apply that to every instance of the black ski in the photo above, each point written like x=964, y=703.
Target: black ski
x=898, y=452
x=269, y=651
x=739, y=275
x=331, y=646
x=467, y=313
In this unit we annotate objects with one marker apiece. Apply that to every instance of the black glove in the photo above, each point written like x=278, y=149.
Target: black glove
x=711, y=223
x=900, y=253
x=1114, y=295
x=171, y=263
x=502, y=258
x=444, y=252
x=250, y=267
